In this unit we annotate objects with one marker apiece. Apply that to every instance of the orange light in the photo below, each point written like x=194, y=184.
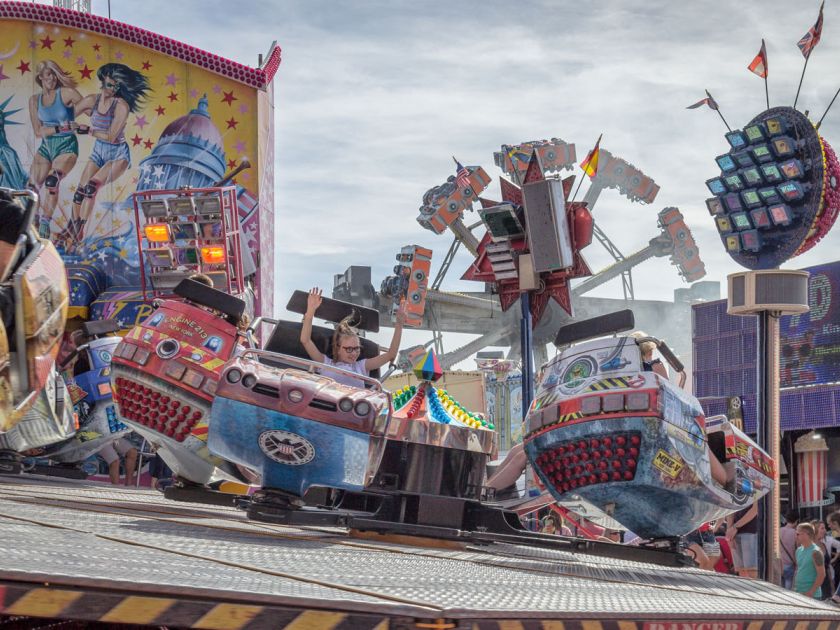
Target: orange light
x=213, y=255
x=157, y=232
x=104, y=389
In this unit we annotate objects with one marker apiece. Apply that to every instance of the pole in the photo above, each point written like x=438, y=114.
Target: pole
x=829, y=107
x=766, y=92
x=767, y=432
x=800, y=80
x=717, y=109
x=525, y=346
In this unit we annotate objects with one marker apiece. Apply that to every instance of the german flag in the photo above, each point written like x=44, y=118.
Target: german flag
x=590, y=164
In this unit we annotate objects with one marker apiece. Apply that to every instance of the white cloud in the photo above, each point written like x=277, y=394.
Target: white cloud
x=373, y=98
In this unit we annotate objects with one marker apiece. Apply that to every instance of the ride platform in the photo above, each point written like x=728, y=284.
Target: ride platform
x=80, y=551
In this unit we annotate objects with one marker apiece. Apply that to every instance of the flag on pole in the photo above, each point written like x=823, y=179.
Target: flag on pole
x=462, y=175
x=712, y=103
x=812, y=37
x=590, y=164
x=759, y=64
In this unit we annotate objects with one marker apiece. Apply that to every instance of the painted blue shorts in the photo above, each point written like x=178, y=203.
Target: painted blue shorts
x=104, y=152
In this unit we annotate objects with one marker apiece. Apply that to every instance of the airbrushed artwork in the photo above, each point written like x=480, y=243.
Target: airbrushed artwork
x=87, y=119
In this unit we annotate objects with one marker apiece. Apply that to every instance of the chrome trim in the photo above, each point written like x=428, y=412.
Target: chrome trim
x=312, y=366
x=421, y=431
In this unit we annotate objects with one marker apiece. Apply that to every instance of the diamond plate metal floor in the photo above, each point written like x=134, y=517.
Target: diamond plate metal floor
x=94, y=536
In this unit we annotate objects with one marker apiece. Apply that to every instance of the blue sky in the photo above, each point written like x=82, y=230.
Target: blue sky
x=374, y=97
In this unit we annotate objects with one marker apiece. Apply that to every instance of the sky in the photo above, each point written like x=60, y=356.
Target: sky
x=374, y=97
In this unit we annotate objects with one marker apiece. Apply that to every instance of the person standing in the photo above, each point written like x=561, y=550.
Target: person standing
x=787, y=542
x=742, y=532
x=810, y=571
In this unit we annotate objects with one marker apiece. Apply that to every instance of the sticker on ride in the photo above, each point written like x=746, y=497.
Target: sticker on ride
x=285, y=447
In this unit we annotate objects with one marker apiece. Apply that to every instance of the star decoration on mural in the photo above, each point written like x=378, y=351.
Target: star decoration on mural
x=67, y=54
x=80, y=61
x=147, y=65
x=119, y=55
x=86, y=72
x=231, y=164
x=96, y=47
x=68, y=42
x=157, y=171
x=33, y=43
x=231, y=124
x=193, y=94
x=217, y=89
x=239, y=146
x=140, y=121
x=160, y=109
x=136, y=140
x=229, y=98
x=172, y=97
x=23, y=67
x=148, y=144
x=47, y=43
x=171, y=79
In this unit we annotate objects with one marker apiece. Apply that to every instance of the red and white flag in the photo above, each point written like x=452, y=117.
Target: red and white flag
x=759, y=64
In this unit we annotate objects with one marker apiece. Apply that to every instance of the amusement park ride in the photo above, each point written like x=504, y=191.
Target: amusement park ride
x=498, y=256
x=224, y=393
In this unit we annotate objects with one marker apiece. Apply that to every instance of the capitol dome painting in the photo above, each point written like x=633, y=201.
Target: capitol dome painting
x=190, y=152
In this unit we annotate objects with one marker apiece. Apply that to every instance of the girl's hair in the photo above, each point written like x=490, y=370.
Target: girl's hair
x=132, y=86
x=64, y=78
x=343, y=329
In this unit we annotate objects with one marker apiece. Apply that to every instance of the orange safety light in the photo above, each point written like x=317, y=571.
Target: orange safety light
x=213, y=255
x=157, y=232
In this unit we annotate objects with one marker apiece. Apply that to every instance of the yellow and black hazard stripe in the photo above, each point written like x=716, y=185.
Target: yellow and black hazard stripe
x=618, y=382
x=568, y=417
x=70, y=604
x=663, y=624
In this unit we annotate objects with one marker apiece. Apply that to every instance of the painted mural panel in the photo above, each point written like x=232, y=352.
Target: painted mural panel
x=86, y=120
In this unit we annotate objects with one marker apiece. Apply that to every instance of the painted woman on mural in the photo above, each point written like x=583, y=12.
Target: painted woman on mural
x=53, y=121
x=123, y=92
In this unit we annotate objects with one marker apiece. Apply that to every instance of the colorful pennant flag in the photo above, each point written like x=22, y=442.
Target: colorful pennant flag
x=812, y=37
x=590, y=164
x=759, y=64
x=712, y=103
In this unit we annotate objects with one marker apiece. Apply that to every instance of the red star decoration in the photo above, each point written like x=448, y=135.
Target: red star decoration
x=147, y=65
x=96, y=47
x=160, y=110
x=23, y=67
x=148, y=144
x=68, y=43
x=47, y=42
x=229, y=98
x=136, y=140
x=231, y=124
x=231, y=163
x=555, y=284
x=86, y=72
x=172, y=97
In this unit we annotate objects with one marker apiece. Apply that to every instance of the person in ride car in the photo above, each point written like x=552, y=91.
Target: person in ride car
x=346, y=345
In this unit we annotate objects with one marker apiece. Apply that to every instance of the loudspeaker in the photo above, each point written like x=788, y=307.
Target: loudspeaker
x=779, y=290
x=547, y=225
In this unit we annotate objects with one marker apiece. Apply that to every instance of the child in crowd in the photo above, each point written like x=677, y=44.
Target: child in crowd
x=346, y=346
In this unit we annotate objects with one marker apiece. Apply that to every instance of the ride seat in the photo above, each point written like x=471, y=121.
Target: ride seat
x=285, y=339
x=203, y=295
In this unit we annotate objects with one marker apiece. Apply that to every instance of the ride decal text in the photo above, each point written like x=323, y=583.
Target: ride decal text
x=667, y=464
